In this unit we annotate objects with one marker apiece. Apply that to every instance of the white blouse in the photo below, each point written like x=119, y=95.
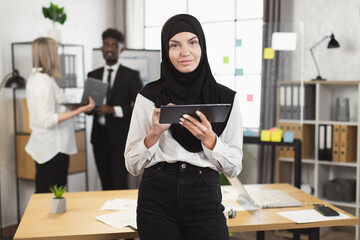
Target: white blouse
x=48, y=137
x=226, y=157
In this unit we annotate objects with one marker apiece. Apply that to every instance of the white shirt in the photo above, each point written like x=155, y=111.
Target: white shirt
x=115, y=67
x=48, y=137
x=226, y=157
x=118, y=109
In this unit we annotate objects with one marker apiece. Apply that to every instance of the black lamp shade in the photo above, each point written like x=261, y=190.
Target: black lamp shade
x=15, y=81
x=333, y=43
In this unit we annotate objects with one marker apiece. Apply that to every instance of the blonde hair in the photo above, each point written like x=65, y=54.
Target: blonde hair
x=45, y=56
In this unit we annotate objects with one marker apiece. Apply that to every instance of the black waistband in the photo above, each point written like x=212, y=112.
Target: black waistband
x=181, y=167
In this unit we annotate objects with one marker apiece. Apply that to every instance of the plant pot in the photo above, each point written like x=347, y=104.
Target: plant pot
x=58, y=205
x=55, y=33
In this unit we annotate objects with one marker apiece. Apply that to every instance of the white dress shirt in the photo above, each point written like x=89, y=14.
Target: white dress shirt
x=48, y=137
x=226, y=157
x=118, y=109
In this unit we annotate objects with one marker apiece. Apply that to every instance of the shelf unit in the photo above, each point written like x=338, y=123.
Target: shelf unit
x=73, y=72
x=316, y=172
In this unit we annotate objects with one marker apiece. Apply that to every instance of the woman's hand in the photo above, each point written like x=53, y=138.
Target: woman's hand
x=156, y=129
x=67, y=115
x=104, y=109
x=202, y=130
x=89, y=107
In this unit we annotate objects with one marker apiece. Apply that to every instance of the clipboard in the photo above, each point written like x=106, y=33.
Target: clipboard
x=213, y=112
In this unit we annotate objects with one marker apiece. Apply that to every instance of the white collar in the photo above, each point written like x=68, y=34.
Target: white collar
x=113, y=67
x=34, y=70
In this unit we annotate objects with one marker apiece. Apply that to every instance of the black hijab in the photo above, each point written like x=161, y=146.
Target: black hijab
x=195, y=87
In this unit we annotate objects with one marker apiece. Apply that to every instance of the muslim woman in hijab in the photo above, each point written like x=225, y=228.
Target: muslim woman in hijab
x=179, y=194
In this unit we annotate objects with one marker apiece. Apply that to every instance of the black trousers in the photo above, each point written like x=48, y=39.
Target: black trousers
x=52, y=172
x=110, y=163
x=180, y=201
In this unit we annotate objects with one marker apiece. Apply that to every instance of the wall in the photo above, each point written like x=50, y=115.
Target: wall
x=320, y=18
x=22, y=20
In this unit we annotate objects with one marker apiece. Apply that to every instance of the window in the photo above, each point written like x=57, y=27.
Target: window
x=233, y=31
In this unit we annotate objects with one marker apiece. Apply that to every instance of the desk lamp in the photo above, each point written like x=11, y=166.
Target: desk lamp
x=332, y=44
x=15, y=81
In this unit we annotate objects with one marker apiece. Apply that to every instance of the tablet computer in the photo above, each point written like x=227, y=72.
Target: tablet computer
x=213, y=112
x=94, y=88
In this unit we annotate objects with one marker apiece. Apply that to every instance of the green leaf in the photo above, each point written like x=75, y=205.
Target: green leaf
x=52, y=14
x=58, y=191
x=62, y=19
x=45, y=12
x=55, y=13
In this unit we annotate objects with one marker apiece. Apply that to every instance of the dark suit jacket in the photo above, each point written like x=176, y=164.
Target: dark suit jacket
x=123, y=93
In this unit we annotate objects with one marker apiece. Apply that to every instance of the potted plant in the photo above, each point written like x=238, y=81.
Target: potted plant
x=57, y=15
x=58, y=203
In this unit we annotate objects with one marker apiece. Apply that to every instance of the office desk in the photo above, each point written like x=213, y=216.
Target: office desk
x=82, y=207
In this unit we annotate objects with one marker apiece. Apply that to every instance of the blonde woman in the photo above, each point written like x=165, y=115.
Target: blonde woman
x=52, y=139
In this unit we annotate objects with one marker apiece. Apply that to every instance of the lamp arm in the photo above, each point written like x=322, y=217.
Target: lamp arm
x=317, y=67
x=3, y=82
x=316, y=44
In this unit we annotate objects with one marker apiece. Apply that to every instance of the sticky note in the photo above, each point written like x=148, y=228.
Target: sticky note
x=225, y=60
x=239, y=71
x=276, y=136
x=275, y=129
x=269, y=53
x=288, y=136
x=249, y=97
x=265, y=135
x=249, y=133
x=238, y=42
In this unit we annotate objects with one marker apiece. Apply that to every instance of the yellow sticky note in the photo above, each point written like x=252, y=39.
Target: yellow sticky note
x=269, y=53
x=265, y=135
x=275, y=129
x=225, y=60
x=276, y=136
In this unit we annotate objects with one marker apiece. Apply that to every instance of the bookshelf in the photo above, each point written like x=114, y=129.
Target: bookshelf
x=326, y=156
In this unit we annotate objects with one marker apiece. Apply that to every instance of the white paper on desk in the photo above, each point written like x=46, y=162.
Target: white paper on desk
x=309, y=215
x=119, y=204
x=232, y=200
x=119, y=219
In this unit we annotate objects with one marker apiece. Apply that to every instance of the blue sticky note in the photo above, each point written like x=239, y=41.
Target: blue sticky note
x=249, y=133
x=238, y=42
x=288, y=136
x=239, y=71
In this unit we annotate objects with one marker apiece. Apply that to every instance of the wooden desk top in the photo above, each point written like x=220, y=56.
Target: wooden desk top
x=79, y=222
x=268, y=219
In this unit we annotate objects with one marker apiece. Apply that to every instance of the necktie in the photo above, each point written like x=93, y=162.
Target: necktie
x=109, y=81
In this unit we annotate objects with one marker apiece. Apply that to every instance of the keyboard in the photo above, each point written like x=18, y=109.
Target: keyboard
x=262, y=197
